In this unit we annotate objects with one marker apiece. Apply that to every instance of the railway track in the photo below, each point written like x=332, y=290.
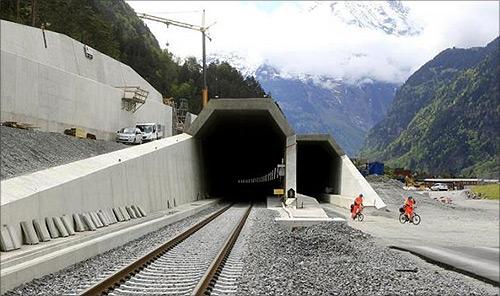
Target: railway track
x=195, y=262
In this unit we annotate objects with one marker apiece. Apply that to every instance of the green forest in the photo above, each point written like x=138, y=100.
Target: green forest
x=444, y=119
x=112, y=27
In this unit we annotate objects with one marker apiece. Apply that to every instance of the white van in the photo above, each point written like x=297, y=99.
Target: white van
x=151, y=131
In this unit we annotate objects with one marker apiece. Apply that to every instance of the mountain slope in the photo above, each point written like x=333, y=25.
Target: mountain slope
x=390, y=17
x=321, y=104
x=444, y=119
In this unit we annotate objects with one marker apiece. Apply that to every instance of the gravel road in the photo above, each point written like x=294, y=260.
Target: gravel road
x=335, y=259
x=26, y=151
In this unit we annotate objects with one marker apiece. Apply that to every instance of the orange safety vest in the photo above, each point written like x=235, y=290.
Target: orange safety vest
x=358, y=201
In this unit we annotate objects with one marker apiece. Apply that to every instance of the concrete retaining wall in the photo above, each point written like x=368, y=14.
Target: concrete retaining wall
x=149, y=175
x=352, y=184
x=57, y=87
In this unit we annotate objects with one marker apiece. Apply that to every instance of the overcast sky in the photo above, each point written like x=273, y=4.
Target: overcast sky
x=290, y=36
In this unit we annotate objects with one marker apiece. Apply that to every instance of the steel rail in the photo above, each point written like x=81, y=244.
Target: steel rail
x=217, y=264
x=108, y=284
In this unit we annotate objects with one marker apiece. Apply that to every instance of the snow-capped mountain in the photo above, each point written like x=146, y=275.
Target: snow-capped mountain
x=346, y=107
x=321, y=103
x=392, y=17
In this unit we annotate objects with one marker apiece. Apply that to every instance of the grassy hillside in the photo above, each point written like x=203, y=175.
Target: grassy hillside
x=444, y=119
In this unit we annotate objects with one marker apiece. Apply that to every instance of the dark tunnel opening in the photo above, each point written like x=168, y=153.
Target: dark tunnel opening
x=237, y=146
x=318, y=168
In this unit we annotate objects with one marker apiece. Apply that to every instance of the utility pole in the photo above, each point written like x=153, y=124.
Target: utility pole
x=203, y=29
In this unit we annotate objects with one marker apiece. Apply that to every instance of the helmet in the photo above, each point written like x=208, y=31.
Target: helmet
x=361, y=194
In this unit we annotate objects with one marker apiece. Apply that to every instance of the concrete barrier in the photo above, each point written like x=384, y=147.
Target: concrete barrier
x=148, y=175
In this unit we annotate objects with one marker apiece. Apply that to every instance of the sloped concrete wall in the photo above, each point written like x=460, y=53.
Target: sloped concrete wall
x=353, y=183
x=57, y=87
x=150, y=175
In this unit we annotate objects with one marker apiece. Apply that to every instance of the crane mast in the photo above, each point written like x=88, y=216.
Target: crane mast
x=203, y=29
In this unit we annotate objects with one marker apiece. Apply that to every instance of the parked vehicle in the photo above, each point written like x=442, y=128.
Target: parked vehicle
x=439, y=187
x=129, y=135
x=151, y=131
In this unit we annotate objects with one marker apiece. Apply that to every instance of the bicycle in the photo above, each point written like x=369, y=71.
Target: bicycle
x=403, y=219
x=359, y=216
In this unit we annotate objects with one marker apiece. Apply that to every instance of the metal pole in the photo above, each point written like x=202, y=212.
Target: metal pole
x=203, y=37
x=205, y=87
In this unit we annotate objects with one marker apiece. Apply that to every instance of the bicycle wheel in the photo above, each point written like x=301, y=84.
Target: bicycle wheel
x=416, y=219
x=402, y=218
x=360, y=217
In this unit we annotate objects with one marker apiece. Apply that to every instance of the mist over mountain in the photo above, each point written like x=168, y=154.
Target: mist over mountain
x=320, y=103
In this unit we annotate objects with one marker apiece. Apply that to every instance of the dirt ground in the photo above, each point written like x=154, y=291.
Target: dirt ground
x=464, y=222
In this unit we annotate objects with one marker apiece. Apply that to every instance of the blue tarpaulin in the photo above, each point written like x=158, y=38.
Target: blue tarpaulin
x=376, y=168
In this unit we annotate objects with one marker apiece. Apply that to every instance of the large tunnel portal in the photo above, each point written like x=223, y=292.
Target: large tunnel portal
x=240, y=151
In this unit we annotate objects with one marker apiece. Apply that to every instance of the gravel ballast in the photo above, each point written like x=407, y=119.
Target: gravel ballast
x=79, y=276
x=335, y=259
x=25, y=151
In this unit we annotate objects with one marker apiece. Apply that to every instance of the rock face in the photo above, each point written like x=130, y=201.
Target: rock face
x=444, y=119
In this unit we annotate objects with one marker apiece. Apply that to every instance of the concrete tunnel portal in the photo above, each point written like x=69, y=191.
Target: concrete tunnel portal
x=241, y=140
x=319, y=166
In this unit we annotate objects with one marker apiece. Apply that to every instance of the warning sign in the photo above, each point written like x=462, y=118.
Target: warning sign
x=279, y=191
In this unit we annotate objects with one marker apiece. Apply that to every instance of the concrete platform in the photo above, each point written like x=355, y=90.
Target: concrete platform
x=308, y=213
x=32, y=262
x=479, y=262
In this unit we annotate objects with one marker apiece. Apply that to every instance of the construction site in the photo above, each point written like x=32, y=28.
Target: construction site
x=231, y=201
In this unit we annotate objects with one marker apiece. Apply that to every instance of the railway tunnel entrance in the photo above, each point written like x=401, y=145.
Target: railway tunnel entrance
x=241, y=143
x=319, y=166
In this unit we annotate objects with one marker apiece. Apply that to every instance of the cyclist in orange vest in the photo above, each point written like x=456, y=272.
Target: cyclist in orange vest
x=357, y=206
x=408, y=207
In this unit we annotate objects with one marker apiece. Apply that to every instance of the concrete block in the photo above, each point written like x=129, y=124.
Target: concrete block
x=29, y=234
x=15, y=239
x=95, y=219
x=52, y=227
x=41, y=230
x=6, y=243
x=143, y=213
x=103, y=219
x=111, y=216
x=124, y=213
x=88, y=222
x=118, y=215
x=79, y=227
x=60, y=226
x=68, y=224
x=136, y=211
x=131, y=213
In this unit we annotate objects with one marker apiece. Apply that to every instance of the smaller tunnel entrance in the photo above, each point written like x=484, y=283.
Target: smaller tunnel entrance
x=319, y=165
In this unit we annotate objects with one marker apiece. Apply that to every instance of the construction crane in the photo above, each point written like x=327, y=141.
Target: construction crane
x=204, y=34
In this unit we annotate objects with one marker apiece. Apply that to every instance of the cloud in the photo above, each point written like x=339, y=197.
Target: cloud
x=296, y=39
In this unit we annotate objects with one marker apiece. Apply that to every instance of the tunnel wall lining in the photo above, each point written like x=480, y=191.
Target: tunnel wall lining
x=148, y=175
